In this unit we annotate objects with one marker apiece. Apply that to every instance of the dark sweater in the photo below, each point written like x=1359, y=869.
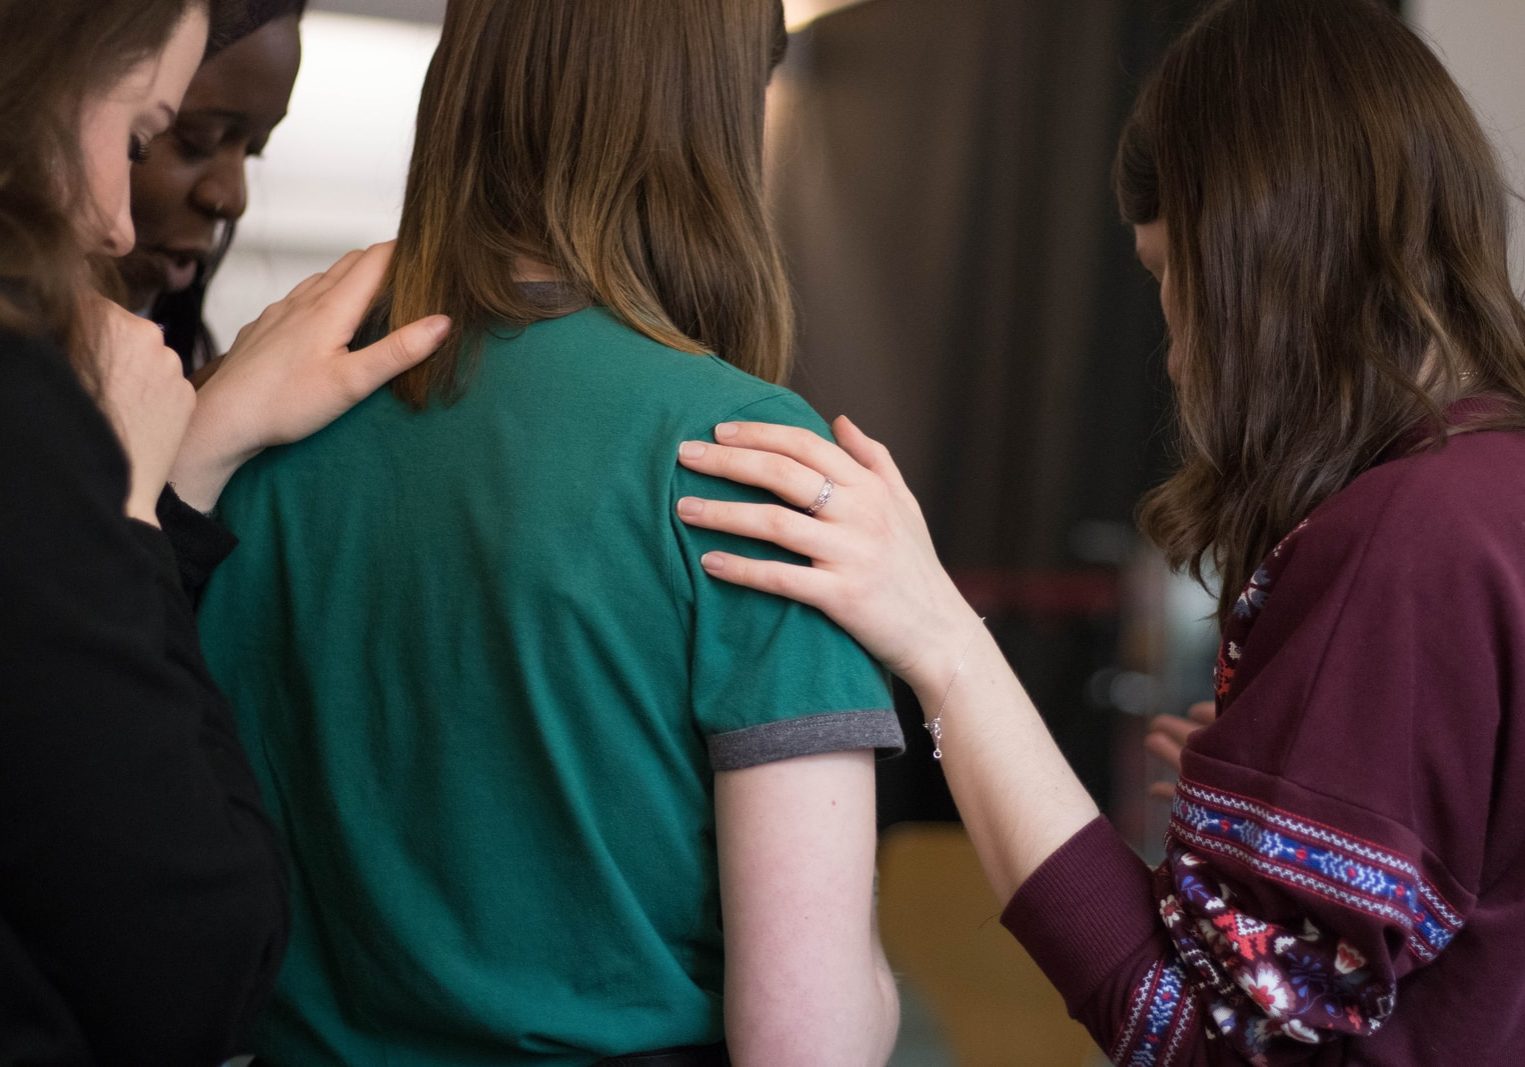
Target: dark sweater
x=142, y=901
x=1345, y=867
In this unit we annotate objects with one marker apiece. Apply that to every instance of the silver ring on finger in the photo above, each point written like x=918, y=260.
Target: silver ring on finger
x=822, y=498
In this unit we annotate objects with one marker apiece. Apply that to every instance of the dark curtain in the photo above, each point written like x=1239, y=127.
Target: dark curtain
x=941, y=175
x=941, y=172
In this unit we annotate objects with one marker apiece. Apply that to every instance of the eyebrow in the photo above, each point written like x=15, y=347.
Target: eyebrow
x=217, y=113
x=235, y=120
x=229, y=115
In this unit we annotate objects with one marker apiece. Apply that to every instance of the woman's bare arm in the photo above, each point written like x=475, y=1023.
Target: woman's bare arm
x=806, y=982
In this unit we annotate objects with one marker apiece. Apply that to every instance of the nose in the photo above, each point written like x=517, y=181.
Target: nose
x=222, y=192
x=120, y=236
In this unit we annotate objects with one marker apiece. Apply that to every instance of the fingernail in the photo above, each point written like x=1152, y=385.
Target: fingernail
x=713, y=561
x=690, y=507
x=440, y=328
x=691, y=450
x=725, y=431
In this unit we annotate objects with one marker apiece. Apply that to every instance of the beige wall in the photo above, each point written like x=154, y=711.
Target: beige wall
x=800, y=12
x=1483, y=43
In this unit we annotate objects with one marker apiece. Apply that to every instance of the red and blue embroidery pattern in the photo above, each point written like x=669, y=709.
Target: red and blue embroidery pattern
x=1159, y=1018
x=1259, y=982
x=1313, y=858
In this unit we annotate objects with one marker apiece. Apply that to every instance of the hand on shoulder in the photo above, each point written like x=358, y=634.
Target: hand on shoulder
x=291, y=372
x=874, y=569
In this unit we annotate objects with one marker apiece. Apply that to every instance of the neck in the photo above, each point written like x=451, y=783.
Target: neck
x=529, y=269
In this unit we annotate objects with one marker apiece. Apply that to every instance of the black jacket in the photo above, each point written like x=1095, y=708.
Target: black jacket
x=142, y=898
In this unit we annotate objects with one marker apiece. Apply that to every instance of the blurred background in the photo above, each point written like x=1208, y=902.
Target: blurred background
x=940, y=176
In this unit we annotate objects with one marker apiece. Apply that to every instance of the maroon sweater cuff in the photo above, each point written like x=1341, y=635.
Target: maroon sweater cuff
x=1085, y=911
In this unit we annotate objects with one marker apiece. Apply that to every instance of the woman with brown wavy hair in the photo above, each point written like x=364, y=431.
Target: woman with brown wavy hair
x=1345, y=867
x=142, y=900
x=525, y=754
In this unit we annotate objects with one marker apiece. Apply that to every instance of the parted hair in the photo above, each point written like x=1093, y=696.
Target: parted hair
x=53, y=57
x=618, y=142
x=1338, y=261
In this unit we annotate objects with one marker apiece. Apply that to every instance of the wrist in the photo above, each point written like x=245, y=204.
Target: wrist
x=203, y=469
x=937, y=669
x=143, y=508
x=200, y=483
x=211, y=451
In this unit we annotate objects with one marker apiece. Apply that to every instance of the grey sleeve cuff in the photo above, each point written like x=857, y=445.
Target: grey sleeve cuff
x=838, y=731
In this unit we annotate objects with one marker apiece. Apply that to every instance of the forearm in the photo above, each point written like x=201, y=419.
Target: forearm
x=1089, y=916
x=1018, y=797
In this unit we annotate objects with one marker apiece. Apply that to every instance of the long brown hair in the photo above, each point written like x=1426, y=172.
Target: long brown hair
x=1338, y=233
x=618, y=143
x=53, y=57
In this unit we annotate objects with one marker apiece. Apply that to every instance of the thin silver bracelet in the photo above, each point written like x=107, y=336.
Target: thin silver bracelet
x=935, y=725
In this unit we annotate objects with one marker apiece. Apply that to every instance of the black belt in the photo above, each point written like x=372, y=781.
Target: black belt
x=691, y=1056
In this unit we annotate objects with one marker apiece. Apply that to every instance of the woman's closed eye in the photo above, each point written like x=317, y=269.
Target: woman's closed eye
x=200, y=137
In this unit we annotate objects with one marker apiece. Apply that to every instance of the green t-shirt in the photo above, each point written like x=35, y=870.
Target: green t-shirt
x=486, y=685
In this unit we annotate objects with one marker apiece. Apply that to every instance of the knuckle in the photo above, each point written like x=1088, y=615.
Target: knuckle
x=879, y=530
x=737, y=568
x=766, y=578
x=167, y=365
x=764, y=435
x=142, y=332
x=776, y=520
x=792, y=583
x=720, y=458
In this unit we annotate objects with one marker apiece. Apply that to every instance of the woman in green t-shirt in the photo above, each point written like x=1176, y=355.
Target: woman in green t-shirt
x=523, y=753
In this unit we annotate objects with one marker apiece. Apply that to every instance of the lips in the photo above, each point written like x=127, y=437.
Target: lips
x=180, y=266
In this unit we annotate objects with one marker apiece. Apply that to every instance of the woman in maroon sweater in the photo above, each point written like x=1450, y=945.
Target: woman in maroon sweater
x=1345, y=870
